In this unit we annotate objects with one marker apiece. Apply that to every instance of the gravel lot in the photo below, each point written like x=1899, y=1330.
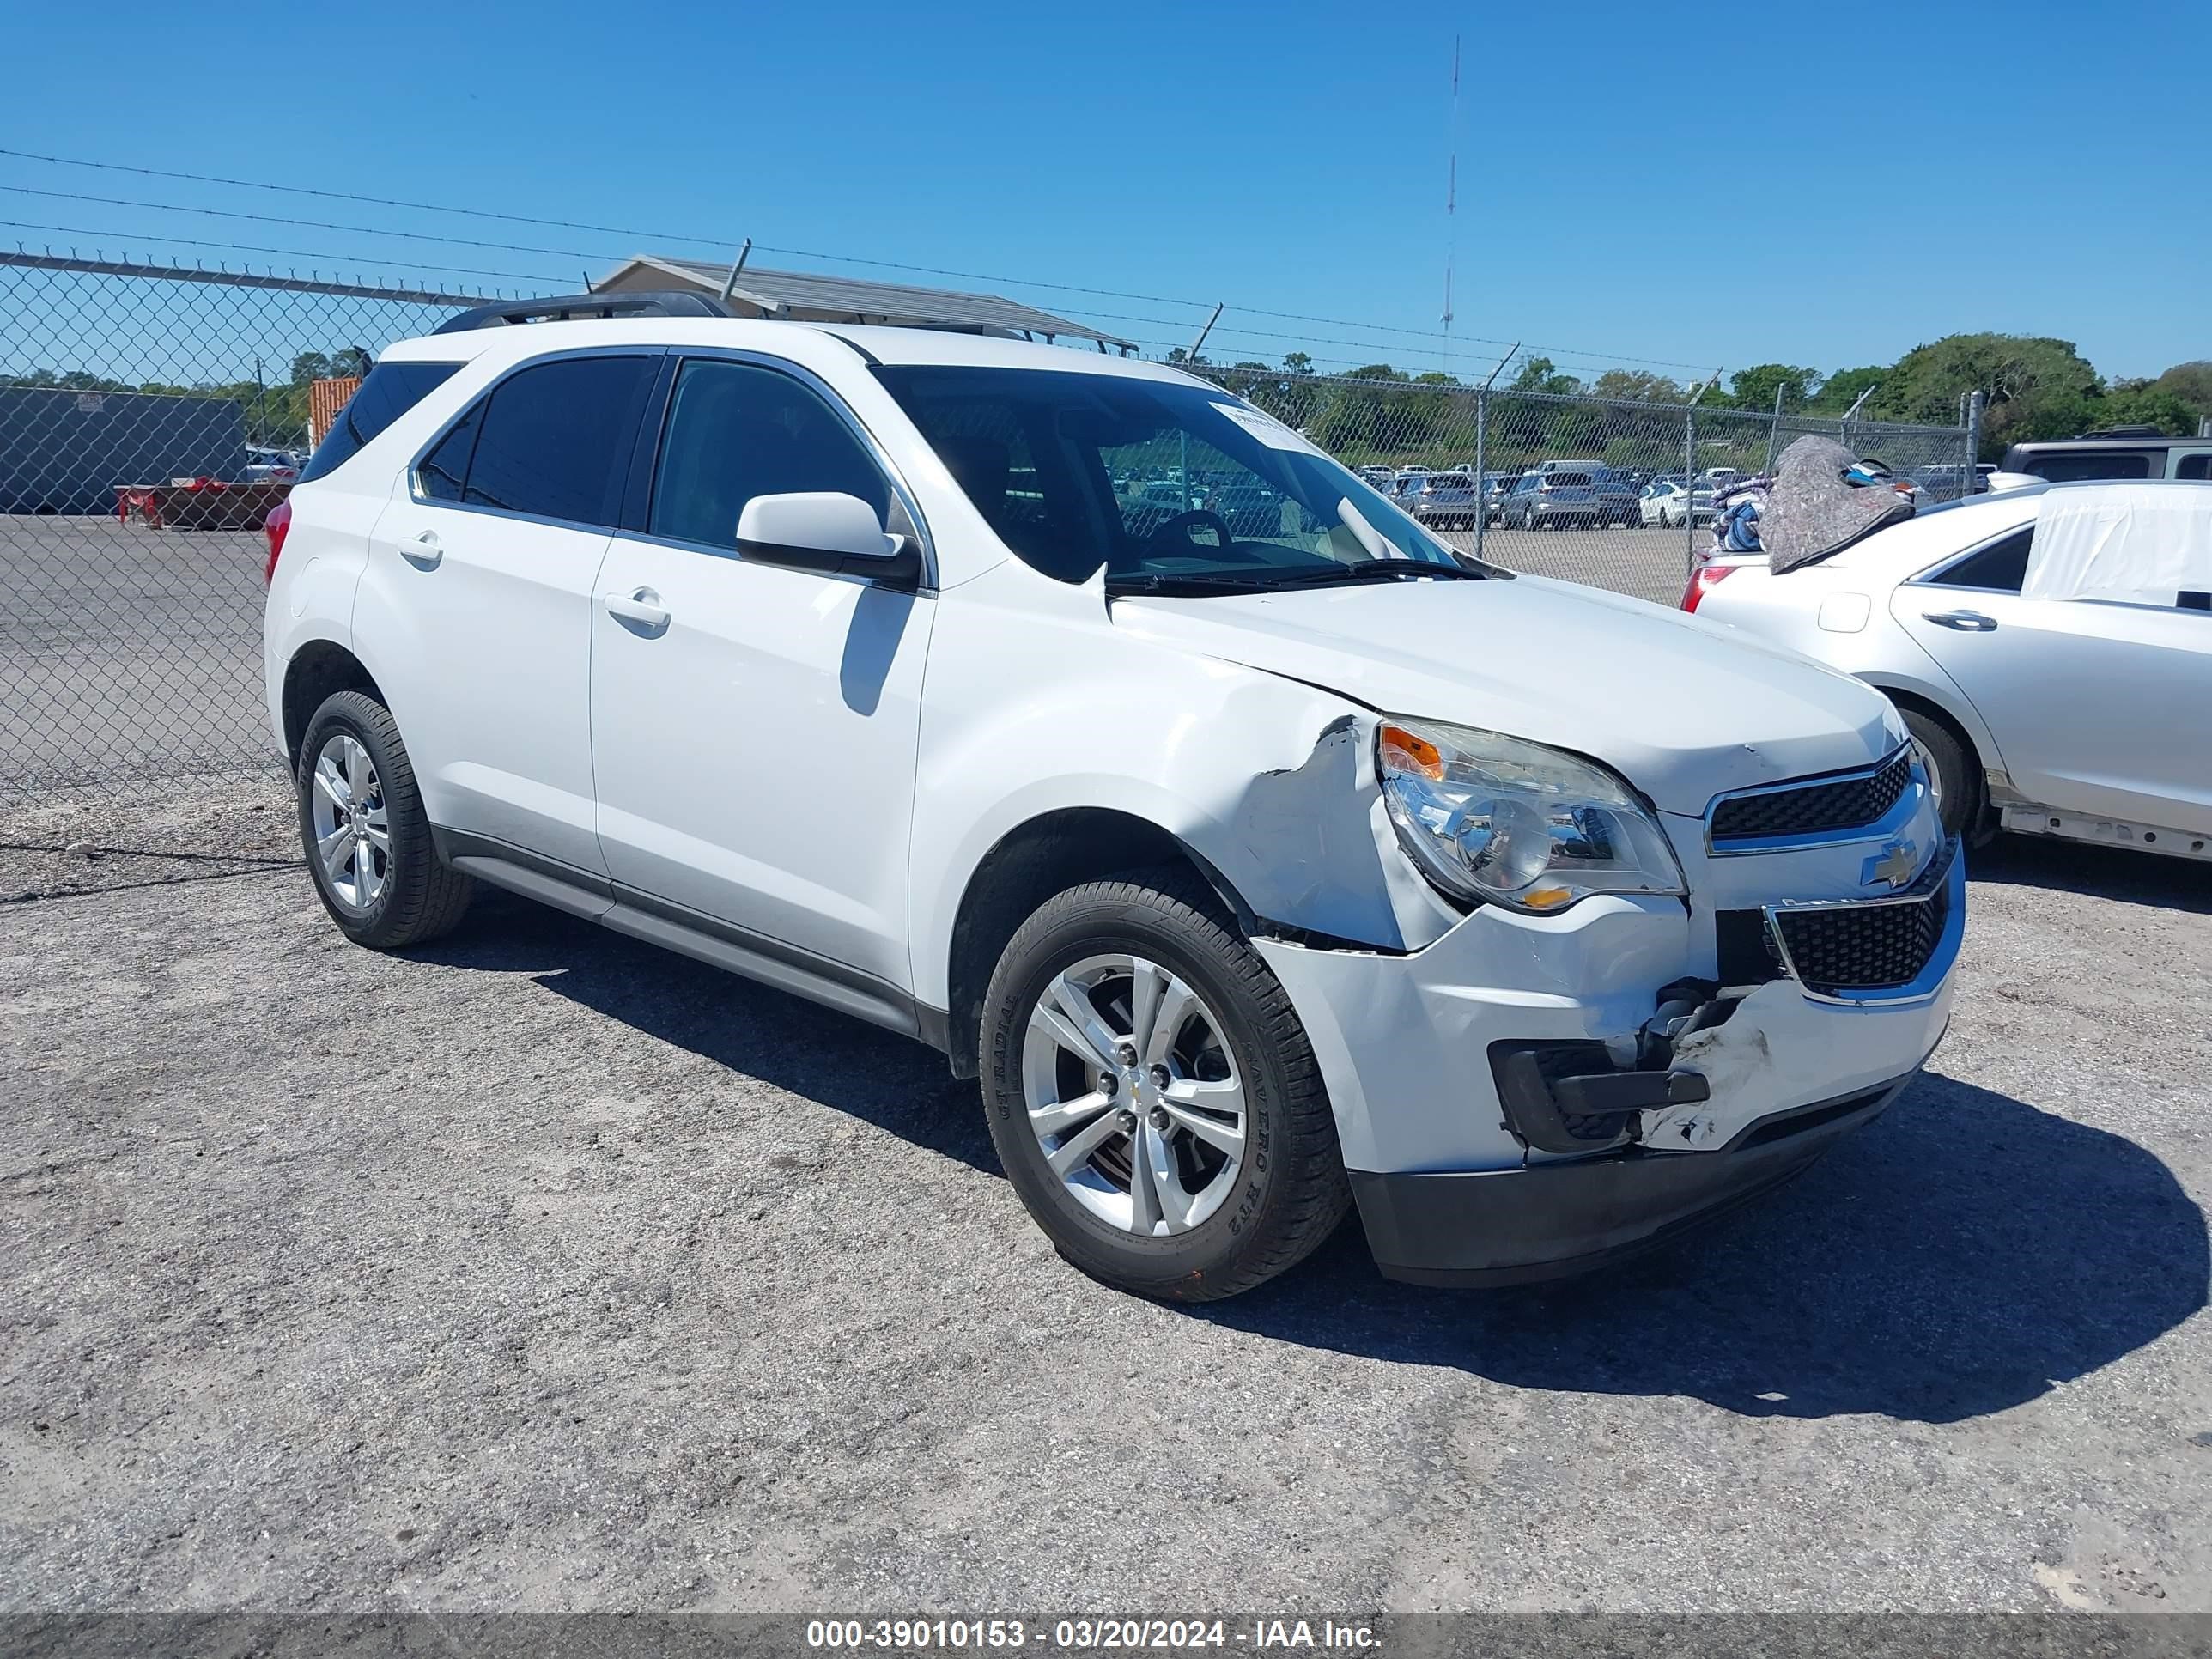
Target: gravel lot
x=541, y=1270
x=1650, y=564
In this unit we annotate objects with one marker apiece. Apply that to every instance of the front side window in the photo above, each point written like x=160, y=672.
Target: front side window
x=2198, y=465
x=735, y=431
x=388, y=391
x=554, y=440
x=1229, y=497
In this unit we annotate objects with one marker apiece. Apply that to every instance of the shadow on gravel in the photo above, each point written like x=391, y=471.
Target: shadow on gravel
x=844, y=1063
x=1960, y=1255
x=2117, y=873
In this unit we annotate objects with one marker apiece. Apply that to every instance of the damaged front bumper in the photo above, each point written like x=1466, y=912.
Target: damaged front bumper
x=1475, y=1227
x=1529, y=1096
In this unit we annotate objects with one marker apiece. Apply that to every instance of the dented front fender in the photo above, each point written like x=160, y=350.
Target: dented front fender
x=1268, y=780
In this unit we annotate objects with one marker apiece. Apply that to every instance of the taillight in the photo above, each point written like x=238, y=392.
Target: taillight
x=274, y=526
x=1704, y=580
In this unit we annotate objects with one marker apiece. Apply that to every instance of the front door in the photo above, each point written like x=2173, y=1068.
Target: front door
x=754, y=728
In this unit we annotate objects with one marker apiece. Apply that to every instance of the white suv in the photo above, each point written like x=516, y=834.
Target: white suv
x=1255, y=870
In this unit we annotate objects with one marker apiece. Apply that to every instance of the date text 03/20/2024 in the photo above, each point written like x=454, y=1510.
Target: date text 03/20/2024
x=1086, y=1635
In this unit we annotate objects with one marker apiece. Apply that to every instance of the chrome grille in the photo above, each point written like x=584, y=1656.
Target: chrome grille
x=1848, y=948
x=1813, y=809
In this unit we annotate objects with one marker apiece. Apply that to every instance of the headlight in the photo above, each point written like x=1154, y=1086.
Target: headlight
x=1494, y=818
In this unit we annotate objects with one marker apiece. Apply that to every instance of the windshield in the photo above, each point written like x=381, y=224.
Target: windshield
x=1153, y=480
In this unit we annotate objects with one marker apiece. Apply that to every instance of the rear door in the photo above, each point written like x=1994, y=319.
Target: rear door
x=477, y=595
x=2093, y=705
x=755, y=727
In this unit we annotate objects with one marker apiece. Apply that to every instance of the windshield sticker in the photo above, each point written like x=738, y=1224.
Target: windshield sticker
x=1270, y=432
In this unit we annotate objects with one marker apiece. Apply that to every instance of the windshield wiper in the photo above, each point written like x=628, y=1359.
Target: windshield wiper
x=1167, y=582
x=1365, y=569
x=1271, y=578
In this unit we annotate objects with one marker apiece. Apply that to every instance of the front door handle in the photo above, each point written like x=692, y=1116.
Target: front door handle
x=423, y=551
x=641, y=607
x=1966, y=622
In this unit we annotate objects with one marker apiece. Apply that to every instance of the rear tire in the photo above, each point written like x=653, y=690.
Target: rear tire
x=1952, y=770
x=375, y=868
x=1248, y=1192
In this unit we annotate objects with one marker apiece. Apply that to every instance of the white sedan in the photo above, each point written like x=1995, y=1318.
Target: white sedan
x=1663, y=504
x=2050, y=648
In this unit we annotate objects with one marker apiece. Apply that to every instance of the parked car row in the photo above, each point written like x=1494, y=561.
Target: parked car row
x=1585, y=494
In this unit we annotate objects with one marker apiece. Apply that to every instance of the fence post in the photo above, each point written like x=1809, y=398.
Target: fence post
x=1689, y=490
x=1481, y=492
x=1967, y=479
x=1774, y=429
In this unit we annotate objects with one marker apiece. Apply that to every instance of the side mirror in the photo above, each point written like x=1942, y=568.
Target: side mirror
x=826, y=531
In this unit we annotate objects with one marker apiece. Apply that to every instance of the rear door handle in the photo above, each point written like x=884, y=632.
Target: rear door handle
x=423, y=551
x=641, y=607
x=1966, y=622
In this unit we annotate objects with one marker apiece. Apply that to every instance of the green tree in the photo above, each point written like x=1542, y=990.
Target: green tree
x=2031, y=386
x=1640, y=385
x=2148, y=403
x=1843, y=388
x=1541, y=375
x=1754, y=388
x=2192, y=384
x=1294, y=396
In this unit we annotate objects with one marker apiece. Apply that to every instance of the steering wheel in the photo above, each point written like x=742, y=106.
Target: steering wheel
x=1184, y=521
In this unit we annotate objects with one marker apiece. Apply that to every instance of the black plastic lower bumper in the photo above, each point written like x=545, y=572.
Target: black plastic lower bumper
x=1548, y=1220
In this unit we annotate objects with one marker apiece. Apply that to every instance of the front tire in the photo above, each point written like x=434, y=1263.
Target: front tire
x=1951, y=771
x=365, y=833
x=1151, y=1093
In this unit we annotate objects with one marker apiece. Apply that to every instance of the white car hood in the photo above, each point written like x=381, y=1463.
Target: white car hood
x=1684, y=709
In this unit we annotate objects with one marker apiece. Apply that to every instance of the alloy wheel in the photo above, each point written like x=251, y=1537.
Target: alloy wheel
x=353, y=834
x=1132, y=1095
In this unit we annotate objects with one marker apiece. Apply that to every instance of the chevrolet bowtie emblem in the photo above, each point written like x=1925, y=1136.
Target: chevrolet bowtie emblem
x=1898, y=864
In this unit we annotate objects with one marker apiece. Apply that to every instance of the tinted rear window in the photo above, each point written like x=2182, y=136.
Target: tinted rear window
x=2064, y=467
x=2002, y=565
x=389, y=392
x=1567, y=477
x=555, y=439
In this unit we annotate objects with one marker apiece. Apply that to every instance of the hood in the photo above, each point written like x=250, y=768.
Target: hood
x=1684, y=709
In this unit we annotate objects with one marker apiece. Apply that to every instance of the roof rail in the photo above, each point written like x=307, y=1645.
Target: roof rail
x=564, y=307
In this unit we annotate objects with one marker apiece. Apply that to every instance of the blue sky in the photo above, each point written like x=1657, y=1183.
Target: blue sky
x=1695, y=185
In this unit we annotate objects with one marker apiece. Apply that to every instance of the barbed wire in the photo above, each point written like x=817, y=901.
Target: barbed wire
x=1161, y=345
x=1444, y=337
x=160, y=241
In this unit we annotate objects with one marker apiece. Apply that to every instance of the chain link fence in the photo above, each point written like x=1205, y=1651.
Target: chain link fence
x=1613, y=493
x=150, y=415
x=148, y=418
